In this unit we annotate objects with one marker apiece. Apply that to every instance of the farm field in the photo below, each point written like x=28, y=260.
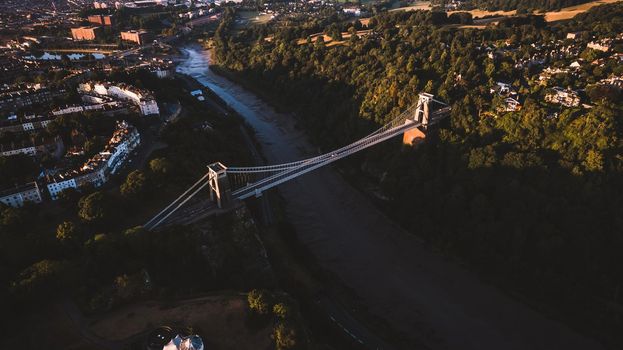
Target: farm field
x=570, y=12
x=551, y=16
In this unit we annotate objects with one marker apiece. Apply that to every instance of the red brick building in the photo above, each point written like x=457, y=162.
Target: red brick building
x=86, y=33
x=103, y=20
x=138, y=36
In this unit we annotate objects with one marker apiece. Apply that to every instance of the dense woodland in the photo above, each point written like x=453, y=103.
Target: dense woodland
x=531, y=201
x=88, y=246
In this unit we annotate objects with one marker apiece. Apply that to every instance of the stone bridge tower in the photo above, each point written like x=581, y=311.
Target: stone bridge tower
x=422, y=115
x=220, y=192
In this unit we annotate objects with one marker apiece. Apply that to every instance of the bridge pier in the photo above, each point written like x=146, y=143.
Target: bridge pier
x=421, y=115
x=220, y=191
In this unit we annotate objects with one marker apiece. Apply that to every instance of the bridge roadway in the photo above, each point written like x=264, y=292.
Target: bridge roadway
x=419, y=293
x=328, y=158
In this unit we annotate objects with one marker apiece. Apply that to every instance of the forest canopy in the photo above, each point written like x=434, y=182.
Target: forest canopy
x=530, y=197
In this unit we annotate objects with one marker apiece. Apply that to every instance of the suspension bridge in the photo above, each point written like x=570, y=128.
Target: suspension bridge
x=230, y=184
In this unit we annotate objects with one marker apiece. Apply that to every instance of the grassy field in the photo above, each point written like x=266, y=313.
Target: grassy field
x=418, y=5
x=252, y=17
x=483, y=13
x=220, y=320
x=330, y=42
x=570, y=12
x=551, y=16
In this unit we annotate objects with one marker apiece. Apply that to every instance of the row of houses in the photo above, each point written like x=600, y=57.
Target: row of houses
x=109, y=106
x=27, y=122
x=18, y=196
x=94, y=172
x=143, y=99
x=16, y=98
x=32, y=147
x=614, y=81
x=30, y=122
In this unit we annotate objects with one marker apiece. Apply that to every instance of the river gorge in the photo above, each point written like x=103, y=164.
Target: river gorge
x=420, y=294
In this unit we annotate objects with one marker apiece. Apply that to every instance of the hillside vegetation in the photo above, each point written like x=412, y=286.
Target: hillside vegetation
x=532, y=199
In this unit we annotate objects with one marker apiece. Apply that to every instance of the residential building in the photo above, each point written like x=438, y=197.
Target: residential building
x=148, y=107
x=123, y=141
x=162, y=70
x=574, y=35
x=138, y=4
x=25, y=124
x=565, y=97
x=85, y=33
x=108, y=107
x=60, y=184
x=352, y=10
x=511, y=105
x=102, y=20
x=601, y=45
x=96, y=170
x=549, y=72
x=100, y=5
x=22, y=96
x=32, y=147
x=503, y=89
x=142, y=98
x=18, y=196
x=612, y=81
x=140, y=37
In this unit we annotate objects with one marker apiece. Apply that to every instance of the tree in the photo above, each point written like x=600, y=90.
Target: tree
x=594, y=161
x=286, y=336
x=461, y=18
x=282, y=311
x=69, y=196
x=92, y=146
x=480, y=159
x=134, y=185
x=160, y=165
x=66, y=232
x=260, y=301
x=11, y=218
x=93, y=207
x=128, y=287
x=45, y=277
x=334, y=32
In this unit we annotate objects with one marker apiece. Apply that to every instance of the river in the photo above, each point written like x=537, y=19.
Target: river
x=398, y=279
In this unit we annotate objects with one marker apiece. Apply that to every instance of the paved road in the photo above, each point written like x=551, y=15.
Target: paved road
x=430, y=300
x=75, y=315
